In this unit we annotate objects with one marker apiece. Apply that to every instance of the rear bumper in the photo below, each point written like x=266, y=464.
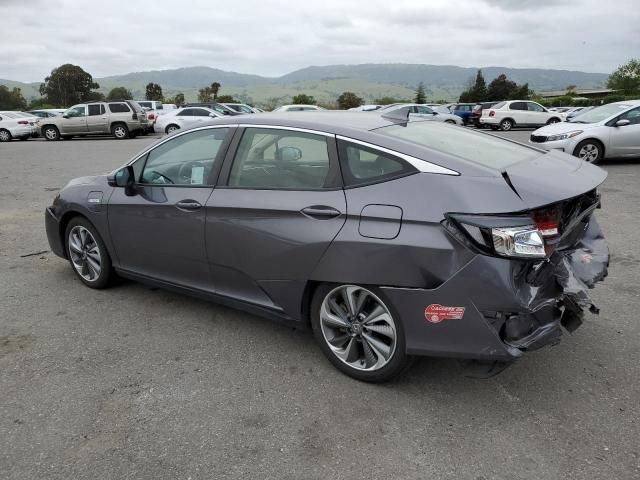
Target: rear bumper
x=52, y=226
x=497, y=309
x=489, y=121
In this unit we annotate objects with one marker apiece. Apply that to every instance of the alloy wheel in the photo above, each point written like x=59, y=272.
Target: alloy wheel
x=5, y=136
x=171, y=129
x=119, y=132
x=358, y=327
x=51, y=134
x=589, y=152
x=85, y=253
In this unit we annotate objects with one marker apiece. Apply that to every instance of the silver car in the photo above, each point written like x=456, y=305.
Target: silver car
x=415, y=111
x=608, y=131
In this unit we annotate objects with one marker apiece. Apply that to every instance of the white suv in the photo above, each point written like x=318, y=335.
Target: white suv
x=520, y=113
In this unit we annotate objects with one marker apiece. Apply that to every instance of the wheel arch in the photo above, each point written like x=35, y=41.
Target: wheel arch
x=64, y=222
x=592, y=139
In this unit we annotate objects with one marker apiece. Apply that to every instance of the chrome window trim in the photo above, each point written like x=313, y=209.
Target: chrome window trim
x=422, y=165
x=293, y=129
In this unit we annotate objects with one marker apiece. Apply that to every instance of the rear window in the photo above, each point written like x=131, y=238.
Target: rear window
x=472, y=146
x=145, y=104
x=118, y=107
x=498, y=105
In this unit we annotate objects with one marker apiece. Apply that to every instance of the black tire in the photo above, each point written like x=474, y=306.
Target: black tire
x=106, y=274
x=398, y=359
x=450, y=122
x=51, y=133
x=553, y=120
x=120, y=131
x=589, y=150
x=506, y=125
x=66, y=137
x=171, y=128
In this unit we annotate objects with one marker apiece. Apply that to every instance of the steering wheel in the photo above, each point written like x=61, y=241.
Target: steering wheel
x=184, y=173
x=160, y=175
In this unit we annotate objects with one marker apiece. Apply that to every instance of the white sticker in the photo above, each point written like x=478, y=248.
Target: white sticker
x=197, y=175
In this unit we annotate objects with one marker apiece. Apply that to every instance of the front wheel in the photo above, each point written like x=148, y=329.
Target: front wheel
x=358, y=332
x=87, y=254
x=590, y=151
x=51, y=133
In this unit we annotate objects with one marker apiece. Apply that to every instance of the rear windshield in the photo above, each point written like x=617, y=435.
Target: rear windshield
x=474, y=147
x=498, y=105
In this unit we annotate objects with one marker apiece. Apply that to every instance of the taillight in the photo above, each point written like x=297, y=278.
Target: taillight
x=548, y=222
x=491, y=113
x=134, y=116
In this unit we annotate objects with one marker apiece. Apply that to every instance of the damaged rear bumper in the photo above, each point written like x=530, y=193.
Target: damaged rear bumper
x=496, y=308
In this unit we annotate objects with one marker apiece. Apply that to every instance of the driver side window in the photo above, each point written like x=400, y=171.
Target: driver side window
x=184, y=160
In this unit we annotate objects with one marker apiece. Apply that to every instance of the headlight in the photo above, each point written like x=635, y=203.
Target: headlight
x=563, y=136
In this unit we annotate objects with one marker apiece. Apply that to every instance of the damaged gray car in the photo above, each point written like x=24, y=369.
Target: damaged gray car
x=388, y=238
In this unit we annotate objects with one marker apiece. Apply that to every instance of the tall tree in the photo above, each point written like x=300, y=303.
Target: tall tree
x=349, y=100
x=226, y=99
x=179, y=99
x=303, y=99
x=68, y=84
x=11, y=99
x=153, y=91
x=209, y=93
x=120, y=93
x=501, y=88
x=626, y=78
x=479, y=92
x=215, y=88
x=420, y=95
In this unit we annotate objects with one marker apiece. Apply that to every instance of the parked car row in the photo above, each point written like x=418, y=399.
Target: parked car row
x=20, y=125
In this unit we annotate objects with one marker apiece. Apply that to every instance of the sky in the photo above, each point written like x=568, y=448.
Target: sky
x=274, y=37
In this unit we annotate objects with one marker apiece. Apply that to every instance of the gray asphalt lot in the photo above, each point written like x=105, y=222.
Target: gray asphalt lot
x=135, y=382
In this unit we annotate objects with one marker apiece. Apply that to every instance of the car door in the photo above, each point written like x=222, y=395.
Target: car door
x=74, y=120
x=199, y=115
x=277, y=207
x=536, y=114
x=518, y=111
x=422, y=112
x=624, y=141
x=185, y=117
x=97, y=120
x=160, y=231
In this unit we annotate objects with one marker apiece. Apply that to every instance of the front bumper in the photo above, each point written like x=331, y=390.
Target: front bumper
x=52, y=226
x=500, y=308
x=567, y=145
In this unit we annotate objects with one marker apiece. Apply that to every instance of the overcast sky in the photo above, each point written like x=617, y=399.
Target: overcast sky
x=273, y=37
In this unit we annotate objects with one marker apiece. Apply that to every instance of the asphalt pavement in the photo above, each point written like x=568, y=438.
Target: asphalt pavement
x=136, y=382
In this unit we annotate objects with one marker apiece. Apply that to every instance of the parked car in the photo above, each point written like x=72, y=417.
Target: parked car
x=122, y=119
x=520, y=113
x=46, y=113
x=152, y=108
x=298, y=108
x=240, y=107
x=419, y=112
x=463, y=110
x=183, y=118
x=476, y=113
x=17, y=126
x=612, y=130
x=579, y=111
x=345, y=221
x=218, y=107
x=365, y=108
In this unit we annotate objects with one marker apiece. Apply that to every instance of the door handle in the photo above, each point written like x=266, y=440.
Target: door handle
x=321, y=212
x=188, y=205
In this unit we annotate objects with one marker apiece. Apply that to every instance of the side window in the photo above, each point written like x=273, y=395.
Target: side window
x=77, y=111
x=187, y=112
x=363, y=165
x=184, y=160
x=518, y=106
x=632, y=115
x=200, y=112
x=119, y=108
x=280, y=159
x=422, y=109
x=534, y=107
x=95, y=110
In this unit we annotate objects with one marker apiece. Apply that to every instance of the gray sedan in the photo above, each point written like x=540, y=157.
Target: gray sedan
x=387, y=238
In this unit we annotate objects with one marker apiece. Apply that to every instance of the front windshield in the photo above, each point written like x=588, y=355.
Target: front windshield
x=478, y=148
x=599, y=114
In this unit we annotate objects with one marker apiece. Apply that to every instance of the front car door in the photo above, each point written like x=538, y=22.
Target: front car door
x=97, y=120
x=537, y=114
x=624, y=141
x=278, y=205
x=74, y=120
x=159, y=232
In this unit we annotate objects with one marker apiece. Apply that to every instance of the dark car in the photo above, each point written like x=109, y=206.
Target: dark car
x=476, y=113
x=463, y=110
x=389, y=238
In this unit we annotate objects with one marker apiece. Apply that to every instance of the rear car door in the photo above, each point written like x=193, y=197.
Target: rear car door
x=278, y=205
x=518, y=111
x=97, y=120
x=160, y=231
x=625, y=140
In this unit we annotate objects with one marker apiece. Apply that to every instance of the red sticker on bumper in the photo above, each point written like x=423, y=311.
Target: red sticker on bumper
x=436, y=313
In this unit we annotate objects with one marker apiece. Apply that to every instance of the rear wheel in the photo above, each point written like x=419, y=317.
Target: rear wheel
x=120, y=131
x=553, y=120
x=506, y=125
x=87, y=254
x=51, y=133
x=450, y=122
x=589, y=150
x=171, y=128
x=358, y=332
x=5, y=135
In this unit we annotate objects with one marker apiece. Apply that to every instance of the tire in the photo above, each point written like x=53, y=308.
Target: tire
x=506, y=125
x=171, y=128
x=51, y=133
x=450, y=122
x=349, y=341
x=5, y=135
x=120, y=131
x=591, y=151
x=87, y=253
x=553, y=120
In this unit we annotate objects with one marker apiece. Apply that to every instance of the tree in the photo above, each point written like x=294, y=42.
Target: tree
x=420, y=96
x=11, y=99
x=349, y=100
x=389, y=100
x=520, y=92
x=209, y=93
x=120, y=93
x=226, y=99
x=476, y=90
x=215, y=88
x=303, y=99
x=626, y=78
x=179, y=99
x=67, y=84
x=153, y=91
x=501, y=88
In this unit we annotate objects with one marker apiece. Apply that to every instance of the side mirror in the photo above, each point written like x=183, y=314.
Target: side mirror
x=65, y=115
x=289, y=154
x=622, y=123
x=125, y=177
x=434, y=113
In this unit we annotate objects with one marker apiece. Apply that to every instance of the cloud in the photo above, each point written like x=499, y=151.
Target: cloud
x=279, y=36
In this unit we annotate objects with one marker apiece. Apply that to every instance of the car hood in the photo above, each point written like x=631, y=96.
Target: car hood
x=564, y=127
x=552, y=177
